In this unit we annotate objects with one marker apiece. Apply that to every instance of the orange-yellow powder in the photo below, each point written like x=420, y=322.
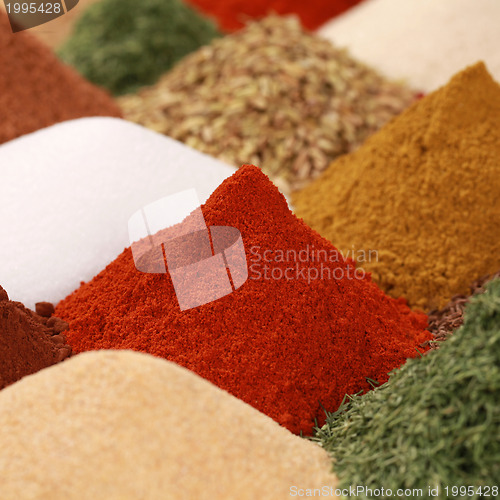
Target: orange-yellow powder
x=423, y=193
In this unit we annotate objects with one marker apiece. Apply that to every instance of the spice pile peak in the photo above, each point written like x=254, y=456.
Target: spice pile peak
x=423, y=192
x=304, y=318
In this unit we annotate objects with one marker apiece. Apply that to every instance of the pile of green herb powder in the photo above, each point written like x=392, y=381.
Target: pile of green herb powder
x=124, y=44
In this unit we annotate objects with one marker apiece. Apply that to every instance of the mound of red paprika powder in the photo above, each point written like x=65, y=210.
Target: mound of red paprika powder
x=299, y=334
x=231, y=15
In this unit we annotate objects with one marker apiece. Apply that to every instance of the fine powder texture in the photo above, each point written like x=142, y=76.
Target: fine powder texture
x=436, y=423
x=232, y=14
x=37, y=90
x=86, y=178
x=123, y=426
x=28, y=341
x=284, y=346
x=272, y=95
x=424, y=42
x=422, y=192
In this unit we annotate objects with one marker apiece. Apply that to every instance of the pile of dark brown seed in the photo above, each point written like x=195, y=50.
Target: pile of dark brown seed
x=444, y=322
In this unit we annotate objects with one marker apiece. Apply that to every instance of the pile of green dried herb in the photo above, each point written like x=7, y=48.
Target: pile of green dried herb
x=124, y=44
x=435, y=423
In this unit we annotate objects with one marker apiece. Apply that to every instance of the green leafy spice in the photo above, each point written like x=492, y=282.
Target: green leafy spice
x=125, y=44
x=435, y=423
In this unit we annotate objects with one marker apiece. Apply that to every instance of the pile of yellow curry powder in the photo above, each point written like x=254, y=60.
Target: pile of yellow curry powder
x=418, y=204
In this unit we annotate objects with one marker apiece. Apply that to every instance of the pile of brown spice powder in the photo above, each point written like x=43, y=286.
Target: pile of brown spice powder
x=388, y=196
x=37, y=90
x=29, y=341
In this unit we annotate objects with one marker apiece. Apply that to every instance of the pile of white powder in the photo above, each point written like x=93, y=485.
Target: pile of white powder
x=68, y=191
x=424, y=42
x=124, y=425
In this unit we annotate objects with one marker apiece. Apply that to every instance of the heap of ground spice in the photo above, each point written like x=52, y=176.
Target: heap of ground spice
x=37, y=90
x=29, y=341
x=303, y=330
x=443, y=322
x=272, y=95
x=435, y=425
x=232, y=14
x=125, y=425
x=422, y=192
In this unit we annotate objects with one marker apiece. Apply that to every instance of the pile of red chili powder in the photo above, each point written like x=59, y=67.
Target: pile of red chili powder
x=29, y=341
x=37, y=90
x=231, y=15
x=301, y=332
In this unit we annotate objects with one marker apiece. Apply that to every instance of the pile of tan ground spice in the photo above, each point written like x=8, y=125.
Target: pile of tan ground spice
x=38, y=90
x=125, y=425
x=29, y=341
x=272, y=95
